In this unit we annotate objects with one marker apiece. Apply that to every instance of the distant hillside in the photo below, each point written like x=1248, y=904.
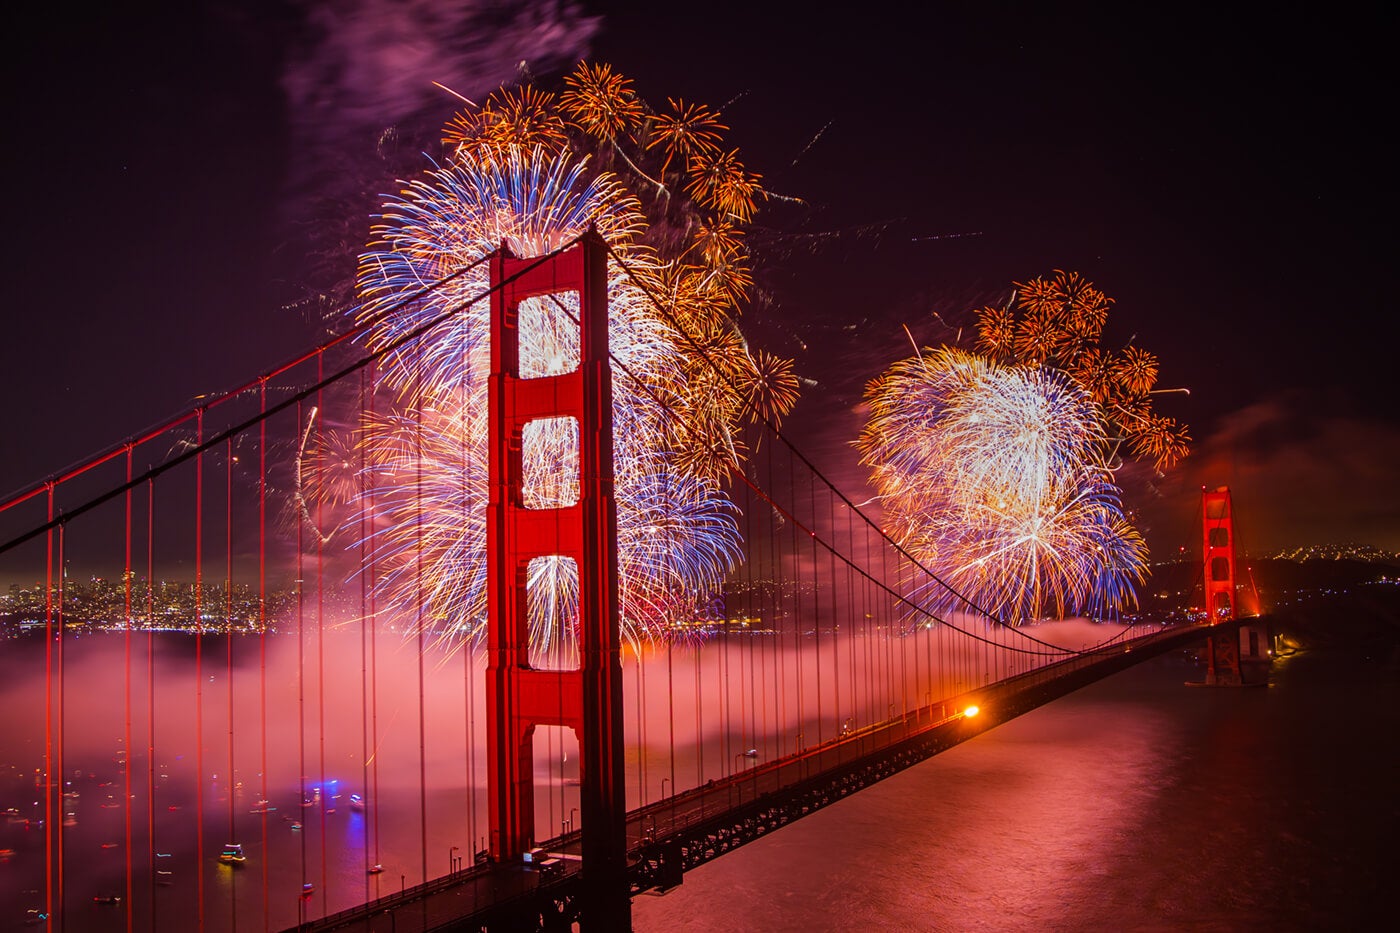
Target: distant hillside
x=1177, y=585
x=1363, y=552
x=1313, y=601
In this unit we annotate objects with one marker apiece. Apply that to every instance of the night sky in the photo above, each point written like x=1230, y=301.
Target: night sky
x=183, y=176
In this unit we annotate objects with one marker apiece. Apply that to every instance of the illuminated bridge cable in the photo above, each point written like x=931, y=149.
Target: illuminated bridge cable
x=217, y=399
x=839, y=577
x=917, y=608
x=291, y=401
x=758, y=415
x=777, y=433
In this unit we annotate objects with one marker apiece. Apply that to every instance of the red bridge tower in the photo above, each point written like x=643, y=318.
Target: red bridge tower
x=586, y=699
x=1231, y=660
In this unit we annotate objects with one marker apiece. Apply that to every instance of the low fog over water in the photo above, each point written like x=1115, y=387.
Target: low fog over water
x=263, y=742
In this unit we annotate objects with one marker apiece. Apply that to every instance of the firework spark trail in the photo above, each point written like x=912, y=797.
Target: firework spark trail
x=677, y=531
x=994, y=476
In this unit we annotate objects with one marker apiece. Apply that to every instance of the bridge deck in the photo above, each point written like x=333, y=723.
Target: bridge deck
x=674, y=835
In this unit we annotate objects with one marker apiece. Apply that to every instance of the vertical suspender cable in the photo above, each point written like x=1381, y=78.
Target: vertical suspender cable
x=418, y=625
x=816, y=610
x=327, y=798
x=799, y=622
x=699, y=722
x=863, y=688
x=373, y=809
x=230, y=781
x=756, y=697
x=51, y=825
x=842, y=723
x=151, y=694
x=126, y=686
x=642, y=795
x=773, y=605
x=363, y=493
x=941, y=691
x=465, y=634
x=725, y=704
x=301, y=690
x=892, y=626
x=671, y=715
x=199, y=660
x=262, y=649
x=62, y=686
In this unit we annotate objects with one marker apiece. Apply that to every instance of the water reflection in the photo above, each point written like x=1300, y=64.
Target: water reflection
x=1133, y=804
x=345, y=767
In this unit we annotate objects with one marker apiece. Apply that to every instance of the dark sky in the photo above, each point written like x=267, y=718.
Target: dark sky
x=1224, y=176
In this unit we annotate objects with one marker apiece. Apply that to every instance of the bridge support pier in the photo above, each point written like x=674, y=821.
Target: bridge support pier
x=520, y=696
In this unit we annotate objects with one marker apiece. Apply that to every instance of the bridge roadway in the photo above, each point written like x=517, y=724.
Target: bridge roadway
x=676, y=834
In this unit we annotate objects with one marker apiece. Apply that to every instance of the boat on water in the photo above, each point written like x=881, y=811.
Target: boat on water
x=106, y=899
x=263, y=806
x=233, y=854
x=357, y=802
x=374, y=870
x=165, y=878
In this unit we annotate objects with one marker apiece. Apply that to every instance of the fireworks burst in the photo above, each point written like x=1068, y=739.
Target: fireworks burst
x=993, y=476
x=517, y=178
x=1057, y=321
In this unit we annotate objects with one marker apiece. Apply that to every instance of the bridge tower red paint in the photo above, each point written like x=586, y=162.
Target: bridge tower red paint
x=520, y=697
x=1218, y=548
x=1231, y=660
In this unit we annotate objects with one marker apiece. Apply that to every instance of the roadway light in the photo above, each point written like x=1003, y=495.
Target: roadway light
x=972, y=710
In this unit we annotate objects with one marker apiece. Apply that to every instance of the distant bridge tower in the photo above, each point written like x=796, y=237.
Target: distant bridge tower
x=521, y=696
x=1231, y=660
x=1218, y=530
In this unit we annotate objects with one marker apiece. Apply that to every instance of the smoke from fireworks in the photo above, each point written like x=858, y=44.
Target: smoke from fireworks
x=359, y=66
x=993, y=476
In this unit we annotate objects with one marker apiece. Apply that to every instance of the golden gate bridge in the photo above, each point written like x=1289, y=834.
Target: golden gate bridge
x=234, y=730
